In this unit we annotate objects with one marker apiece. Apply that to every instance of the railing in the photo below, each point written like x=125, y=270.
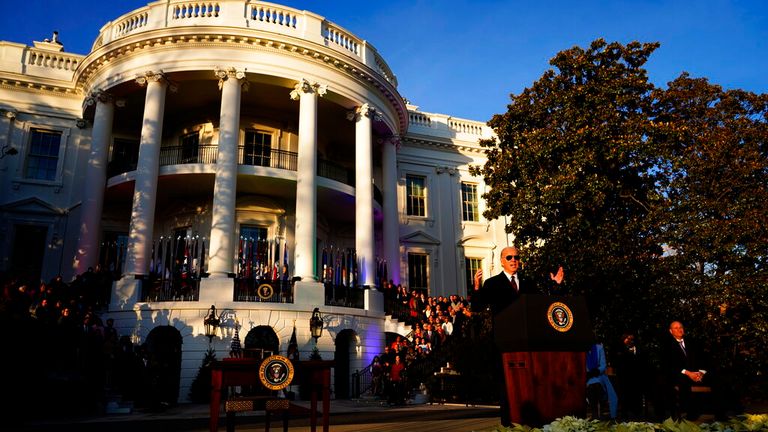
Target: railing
x=362, y=381
x=52, y=60
x=195, y=10
x=130, y=23
x=339, y=37
x=263, y=290
x=175, y=155
x=273, y=14
x=345, y=296
x=176, y=266
x=156, y=288
x=207, y=154
x=335, y=171
x=468, y=127
x=254, y=15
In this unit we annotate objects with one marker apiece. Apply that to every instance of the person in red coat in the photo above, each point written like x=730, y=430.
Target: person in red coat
x=397, y=382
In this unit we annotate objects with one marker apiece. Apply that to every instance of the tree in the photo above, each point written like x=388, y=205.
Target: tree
x=574, y=171
x=713, y=217
x=200, y=390
x=653, y=199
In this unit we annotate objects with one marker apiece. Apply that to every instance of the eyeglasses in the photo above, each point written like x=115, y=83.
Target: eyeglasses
x=512, y=257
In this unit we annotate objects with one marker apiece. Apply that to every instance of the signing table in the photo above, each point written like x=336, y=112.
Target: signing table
x=245, y=372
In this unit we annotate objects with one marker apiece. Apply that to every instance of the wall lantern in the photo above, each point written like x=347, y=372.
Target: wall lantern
x=7, y=150
x=211, y=323
x=316, y=324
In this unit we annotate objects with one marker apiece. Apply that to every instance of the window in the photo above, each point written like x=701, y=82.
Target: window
x=472, y=265
x=43, y=156
x=417, y=271
x=469, y=212
x=416, y=194
x=258, y=148
x=190, y=146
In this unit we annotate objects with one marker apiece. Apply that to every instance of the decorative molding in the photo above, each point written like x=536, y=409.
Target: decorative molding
x=160, y=76
x=306, y=87
x=98, y=96
x=363, y=110
x=394, y=140
x=231, y=73
x=445, y=169
x=265, y=42
x=416, y=142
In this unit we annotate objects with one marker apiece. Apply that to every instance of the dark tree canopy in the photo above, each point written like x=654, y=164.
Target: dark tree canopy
x=574, y=171
x=714, y=180
x=654, y=200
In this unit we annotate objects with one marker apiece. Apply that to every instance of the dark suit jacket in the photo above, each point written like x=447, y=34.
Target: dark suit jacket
x=675, y=360
x=497, y=293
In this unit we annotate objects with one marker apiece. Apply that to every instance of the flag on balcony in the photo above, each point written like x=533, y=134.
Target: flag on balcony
x=293, y=346
x=235, y=350
x=202, y=256
x=325, y=265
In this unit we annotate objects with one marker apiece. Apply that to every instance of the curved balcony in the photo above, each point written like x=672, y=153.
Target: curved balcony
x=206, y=154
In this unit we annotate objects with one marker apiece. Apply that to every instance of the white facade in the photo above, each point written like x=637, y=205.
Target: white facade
x=213, y=119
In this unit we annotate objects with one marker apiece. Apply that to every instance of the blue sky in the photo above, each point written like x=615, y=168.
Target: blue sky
x=464, y=58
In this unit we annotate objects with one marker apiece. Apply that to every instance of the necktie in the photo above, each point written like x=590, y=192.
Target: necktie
x=682, y=347
x=513, y=283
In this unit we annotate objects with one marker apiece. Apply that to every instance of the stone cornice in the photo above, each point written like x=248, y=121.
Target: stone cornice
x=212, y=37
x=37, y=85
x=442, y=145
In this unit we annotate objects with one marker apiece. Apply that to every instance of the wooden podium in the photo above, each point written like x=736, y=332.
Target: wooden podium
x=543, y=340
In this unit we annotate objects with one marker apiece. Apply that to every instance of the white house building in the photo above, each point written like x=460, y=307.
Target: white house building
x=200, y=147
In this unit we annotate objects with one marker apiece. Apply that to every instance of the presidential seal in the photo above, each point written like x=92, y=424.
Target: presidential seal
x=265, y=291
x=560, y=316
x=276, y=372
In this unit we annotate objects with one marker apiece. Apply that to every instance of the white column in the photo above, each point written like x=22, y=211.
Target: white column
x=95, y=182
x=306, y=180
x=222, y=250
x=145, y=190
x=364, y=235
x=391, y=223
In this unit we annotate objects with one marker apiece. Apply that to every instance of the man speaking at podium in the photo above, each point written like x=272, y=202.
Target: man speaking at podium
x=502, y=290
x=497, y=293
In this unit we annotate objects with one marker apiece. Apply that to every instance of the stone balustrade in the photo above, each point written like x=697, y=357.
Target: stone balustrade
x=249, y=14
x=447, y=126
x=52, y=60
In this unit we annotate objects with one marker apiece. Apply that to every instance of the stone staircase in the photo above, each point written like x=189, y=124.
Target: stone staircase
x=393, y=325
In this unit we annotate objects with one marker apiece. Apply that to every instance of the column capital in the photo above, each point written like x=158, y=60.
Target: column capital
x=306, y=87
x=446, y=170
x=230, y=73
x=98, y=96
x=157, y=77
x=363, y=110
x=394, y=140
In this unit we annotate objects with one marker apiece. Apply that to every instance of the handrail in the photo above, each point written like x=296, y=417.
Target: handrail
x=207, y=154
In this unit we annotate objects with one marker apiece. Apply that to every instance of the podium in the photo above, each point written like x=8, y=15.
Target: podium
x=543, y=340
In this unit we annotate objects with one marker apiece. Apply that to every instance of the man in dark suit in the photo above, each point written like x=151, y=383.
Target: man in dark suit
x=497, y=293
x=685, y=367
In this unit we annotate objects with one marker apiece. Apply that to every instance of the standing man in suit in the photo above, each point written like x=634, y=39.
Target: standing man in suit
x=684, y=366
x=497, y=293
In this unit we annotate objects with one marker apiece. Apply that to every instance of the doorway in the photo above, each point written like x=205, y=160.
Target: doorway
x=29, y=250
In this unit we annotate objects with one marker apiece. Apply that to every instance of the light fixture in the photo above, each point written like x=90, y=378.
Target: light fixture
x=316, y=324
x=8, y=151
x=211, y=323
